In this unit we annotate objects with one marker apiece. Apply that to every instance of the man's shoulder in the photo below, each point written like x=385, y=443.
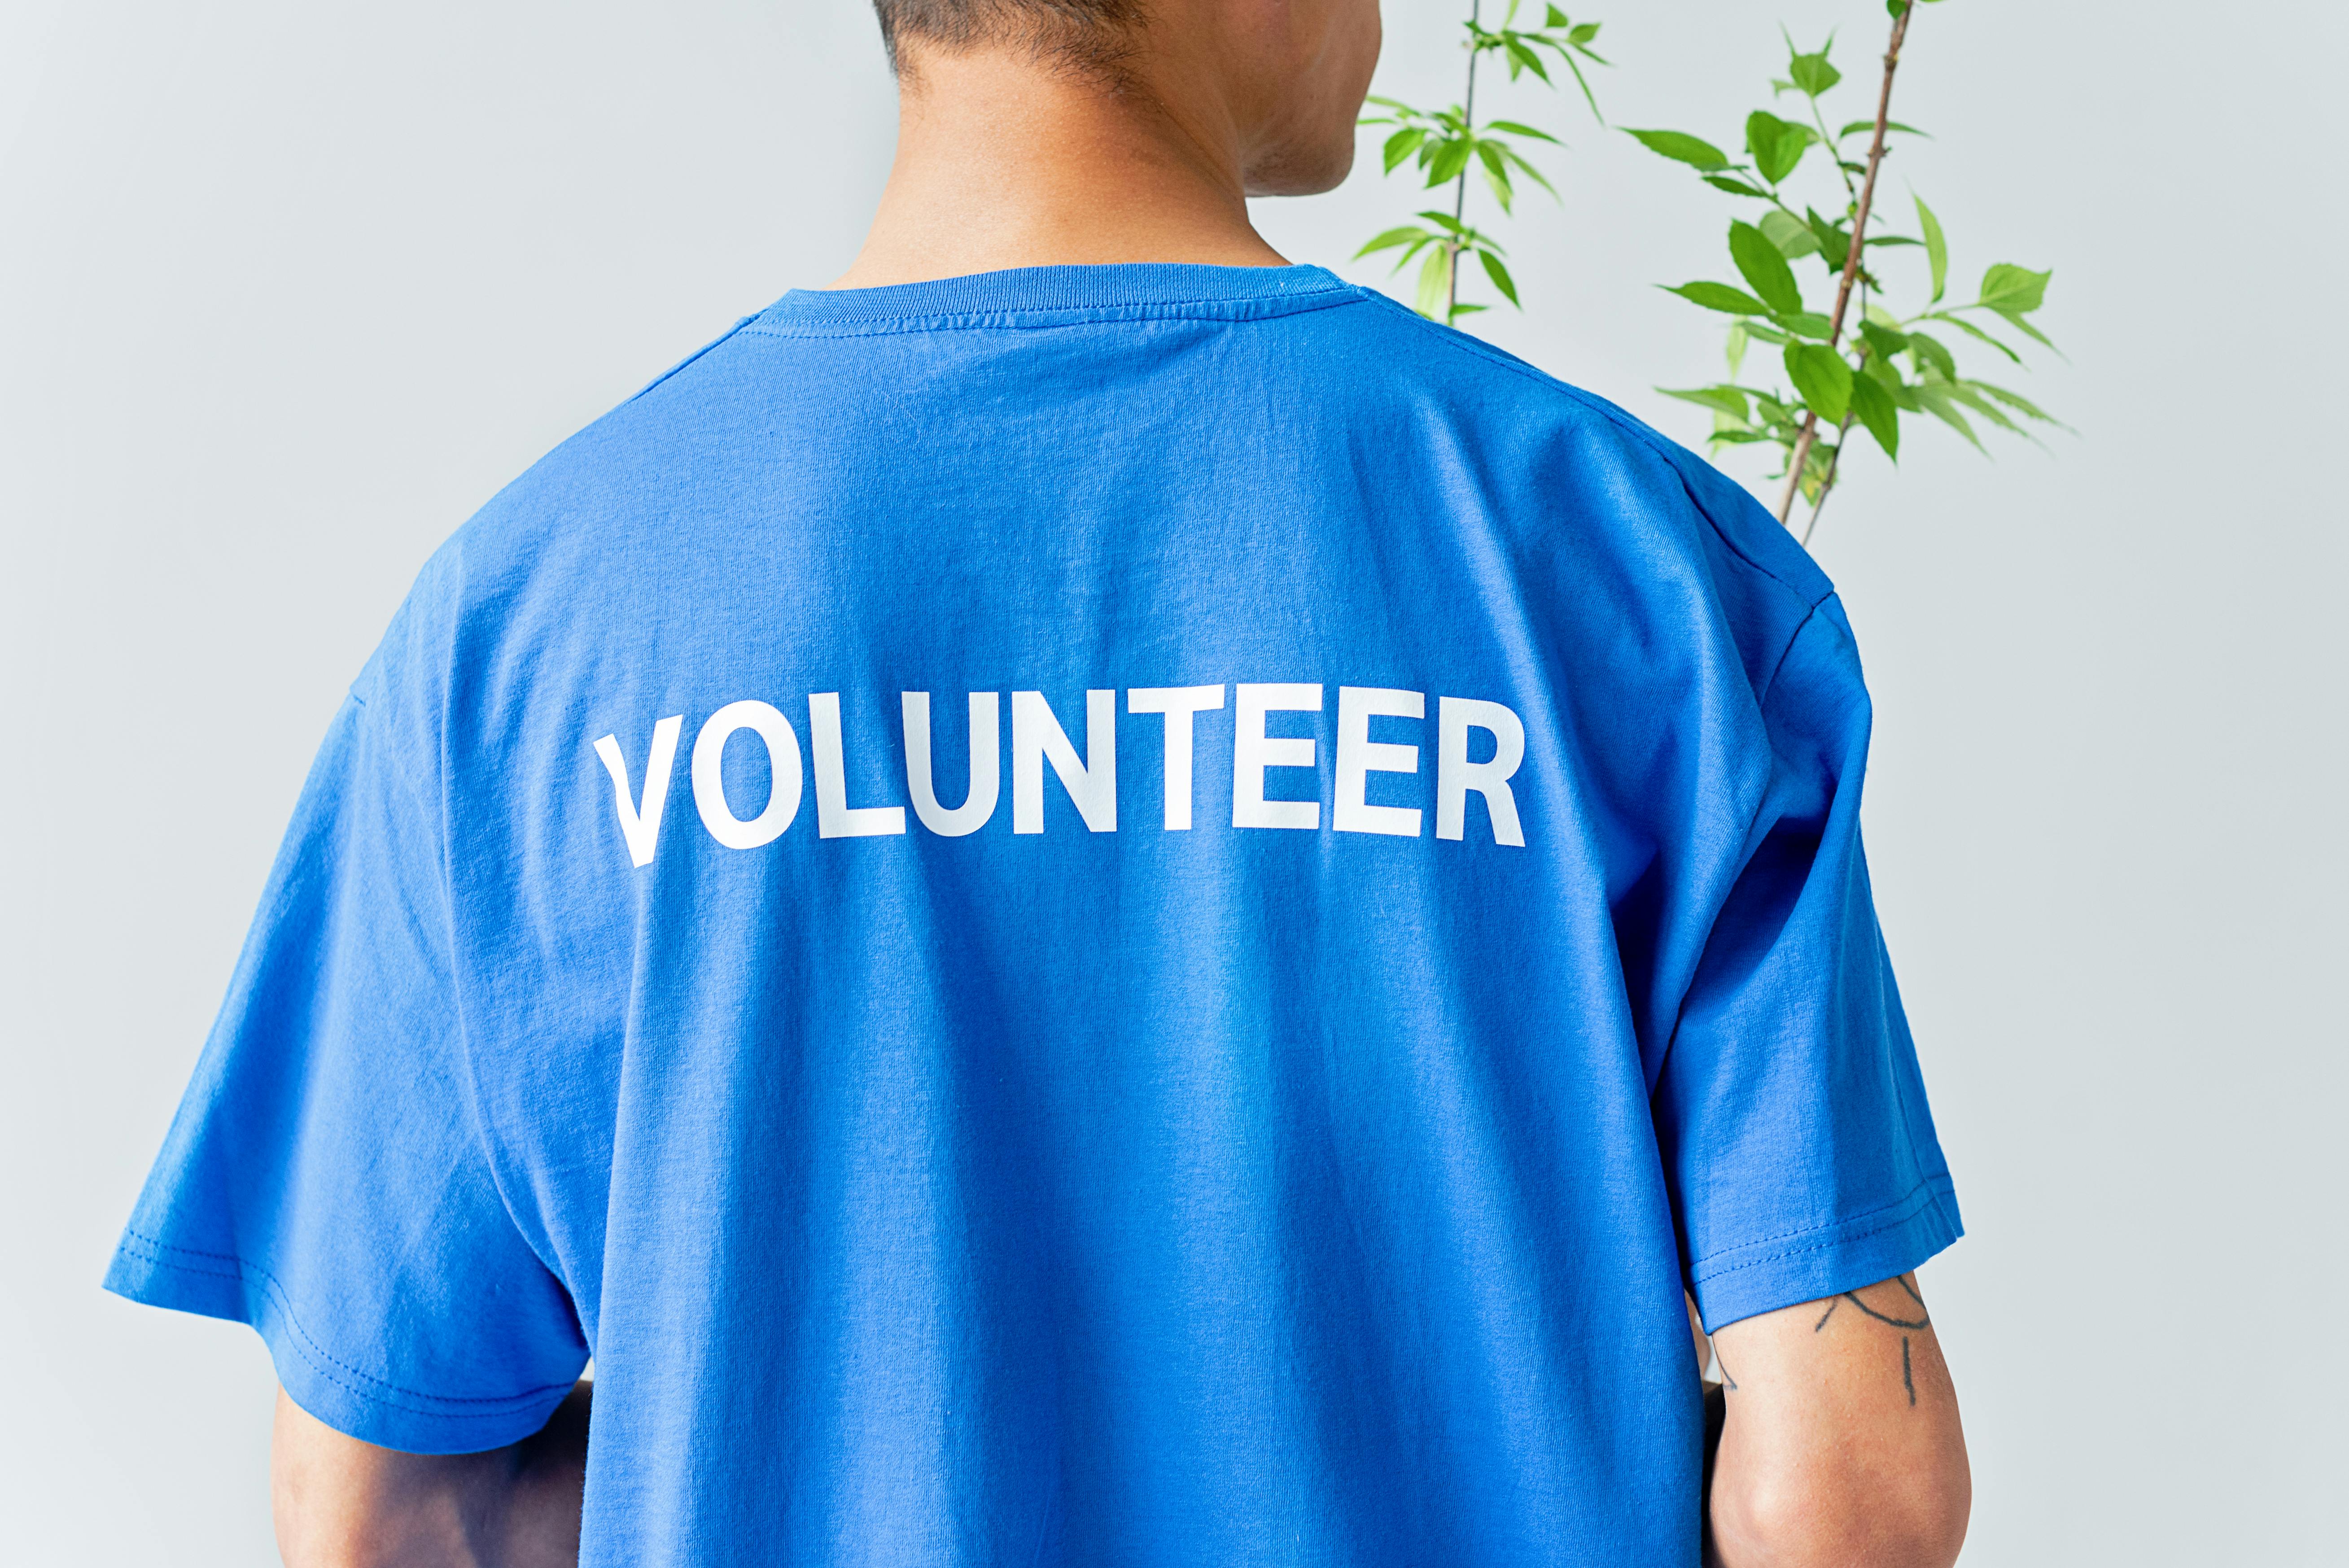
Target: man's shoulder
x=1576, y=440
x=758, y=407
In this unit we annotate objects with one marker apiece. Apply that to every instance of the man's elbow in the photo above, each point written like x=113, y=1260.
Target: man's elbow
x=1912, y=1517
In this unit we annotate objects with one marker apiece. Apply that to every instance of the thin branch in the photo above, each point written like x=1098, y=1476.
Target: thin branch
x=1459, y=199
x=1834, y=150
x=1851, y=262
x=1828, y=479
x=1833, y=144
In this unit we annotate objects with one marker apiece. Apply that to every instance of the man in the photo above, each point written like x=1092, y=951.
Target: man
x=1423, y=932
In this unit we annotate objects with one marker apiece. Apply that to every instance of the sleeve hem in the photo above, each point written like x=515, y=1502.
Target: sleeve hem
x=222, y=1285
x=1784, y=1270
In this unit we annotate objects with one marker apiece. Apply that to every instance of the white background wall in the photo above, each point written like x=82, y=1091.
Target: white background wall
x=288, y=287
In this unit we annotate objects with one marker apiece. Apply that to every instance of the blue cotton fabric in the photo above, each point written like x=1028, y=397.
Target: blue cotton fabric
x=1069, y=1185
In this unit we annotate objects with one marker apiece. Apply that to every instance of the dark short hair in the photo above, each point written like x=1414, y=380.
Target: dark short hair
x=1093, y=36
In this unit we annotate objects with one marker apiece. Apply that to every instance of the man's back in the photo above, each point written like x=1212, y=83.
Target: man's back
x=1138, y=914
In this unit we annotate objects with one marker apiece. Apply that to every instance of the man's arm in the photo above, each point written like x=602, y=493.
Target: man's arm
x=343, y=1503
x=1842, y=1444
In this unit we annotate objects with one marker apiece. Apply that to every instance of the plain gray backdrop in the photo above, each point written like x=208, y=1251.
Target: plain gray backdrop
x=289, y=287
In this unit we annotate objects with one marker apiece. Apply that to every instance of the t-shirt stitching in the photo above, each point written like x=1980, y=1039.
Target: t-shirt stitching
x=1769, y=682
x=322, y=1361
x=714, y=343
x=1926, y=1194
x=1000, y=320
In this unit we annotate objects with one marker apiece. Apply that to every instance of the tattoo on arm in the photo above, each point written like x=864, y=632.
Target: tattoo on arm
x=1906, y=1316
x=1897, y=1317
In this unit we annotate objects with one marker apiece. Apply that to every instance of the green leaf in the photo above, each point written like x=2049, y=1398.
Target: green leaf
x=1813, y=74
x=1938, y=402
x=1434, y=281
x=1870, y=125
x=1790, y=235
x=1764, y=268
x=1720, y=297
x=1557, y=19
x=1822, y=377
x=1405, y=236
x=1878, y=413
x=1450, y=157
x=1965, y=394
x=1777, y=145
x=1531, y=173
x=1513, y=128
x=1835, y=244
x=1584, y=82
x=1733, y=350
x=1401, y=145
x=1500, y=276
x=2014, y=320
x=1581, y=34
x=1726, y=399
x=2017, y=401
x=2014, y=290
x=1970, y=330
x=1521, y=57
x=1496, y=172
x=1761, y=333
x=1929, y=351
x=1808, y=324
x=1694, y=151
x=1735, y=186
x=1884, y=342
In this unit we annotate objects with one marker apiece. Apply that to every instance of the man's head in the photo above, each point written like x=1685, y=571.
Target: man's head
x=1283, y=80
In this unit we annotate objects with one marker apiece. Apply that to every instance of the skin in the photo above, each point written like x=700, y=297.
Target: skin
x=342, y=1503
x=1220, y=100
x=1841, y=1446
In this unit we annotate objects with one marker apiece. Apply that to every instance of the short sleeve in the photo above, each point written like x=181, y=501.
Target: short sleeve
x=1790, y=1111
x=324, y=1179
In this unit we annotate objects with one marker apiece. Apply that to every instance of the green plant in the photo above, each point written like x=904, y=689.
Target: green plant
x=1839, y=382
x=1446, y=144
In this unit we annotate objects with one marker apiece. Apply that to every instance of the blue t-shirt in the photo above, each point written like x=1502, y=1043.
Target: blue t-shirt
x=1138, y=914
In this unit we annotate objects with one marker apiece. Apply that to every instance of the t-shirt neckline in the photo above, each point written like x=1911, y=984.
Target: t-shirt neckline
x=1120, y=290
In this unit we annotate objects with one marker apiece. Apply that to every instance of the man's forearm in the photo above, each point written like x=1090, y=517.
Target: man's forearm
x=1839, y=1441
x=343, y=1503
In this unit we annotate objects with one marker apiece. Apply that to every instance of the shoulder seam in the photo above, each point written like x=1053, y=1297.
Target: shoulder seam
x=1463, y=344
x=1769, y=682
x=689, y=358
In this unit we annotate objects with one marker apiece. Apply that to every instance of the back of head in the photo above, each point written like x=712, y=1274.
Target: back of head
x=1090, y=36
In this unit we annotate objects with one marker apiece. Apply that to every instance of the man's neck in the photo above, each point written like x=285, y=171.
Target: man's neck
x=1006, y=164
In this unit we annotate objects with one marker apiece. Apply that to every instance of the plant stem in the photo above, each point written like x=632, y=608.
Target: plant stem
x=1460, y=197
x=1834, y=150
x=1826, y=481
x=1851, y=267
